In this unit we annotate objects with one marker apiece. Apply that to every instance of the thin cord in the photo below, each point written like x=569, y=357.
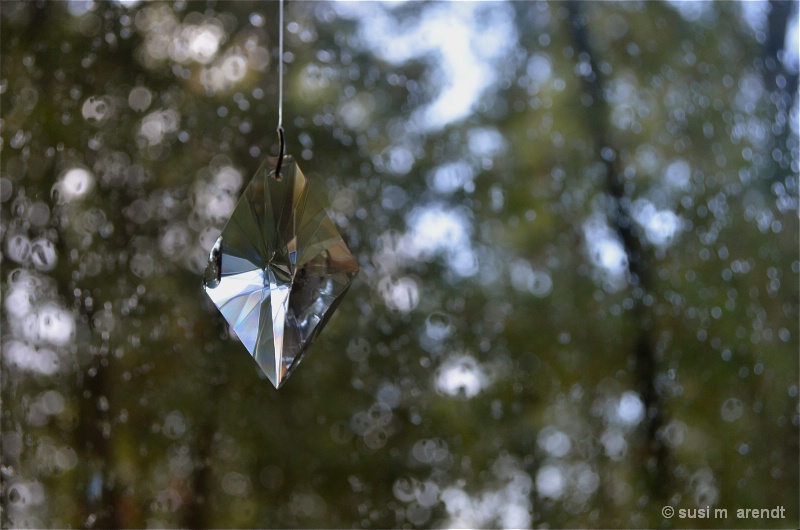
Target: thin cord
x=280, y=65
x=281, y=136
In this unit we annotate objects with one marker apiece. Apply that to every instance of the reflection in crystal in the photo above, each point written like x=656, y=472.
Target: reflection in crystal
x=279, y=269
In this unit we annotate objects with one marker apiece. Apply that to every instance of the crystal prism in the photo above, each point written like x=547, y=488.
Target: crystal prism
x=279, y=269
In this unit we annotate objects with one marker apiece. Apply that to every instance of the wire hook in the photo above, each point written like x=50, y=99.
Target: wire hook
x=281, y=152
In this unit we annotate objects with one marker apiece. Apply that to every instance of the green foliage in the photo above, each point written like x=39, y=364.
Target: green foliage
x=490, y=366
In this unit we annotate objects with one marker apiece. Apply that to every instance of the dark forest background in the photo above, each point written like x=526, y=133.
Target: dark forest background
x=577, y=226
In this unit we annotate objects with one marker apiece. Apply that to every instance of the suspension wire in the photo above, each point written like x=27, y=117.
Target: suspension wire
x=281, y=135
x=280, y=65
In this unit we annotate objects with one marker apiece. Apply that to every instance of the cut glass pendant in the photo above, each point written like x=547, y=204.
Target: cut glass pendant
x=279, y=269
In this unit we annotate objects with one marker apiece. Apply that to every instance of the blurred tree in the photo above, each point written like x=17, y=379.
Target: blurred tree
x=577, y=226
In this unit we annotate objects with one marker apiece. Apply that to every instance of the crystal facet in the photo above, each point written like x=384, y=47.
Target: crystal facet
x=279, y=269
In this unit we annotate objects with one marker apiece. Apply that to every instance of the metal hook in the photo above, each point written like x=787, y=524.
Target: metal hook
x=281, y=153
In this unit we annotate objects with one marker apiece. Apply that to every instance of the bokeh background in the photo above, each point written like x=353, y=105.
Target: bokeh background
x=577, y=225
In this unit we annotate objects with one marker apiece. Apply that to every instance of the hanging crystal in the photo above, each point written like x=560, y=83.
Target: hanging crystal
x=279, y=269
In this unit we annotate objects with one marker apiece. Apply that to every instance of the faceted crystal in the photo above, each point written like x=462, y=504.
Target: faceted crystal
x=279, y=269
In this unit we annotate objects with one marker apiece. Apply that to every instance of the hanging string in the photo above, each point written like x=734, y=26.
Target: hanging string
x=280, y=65
x=281, y=136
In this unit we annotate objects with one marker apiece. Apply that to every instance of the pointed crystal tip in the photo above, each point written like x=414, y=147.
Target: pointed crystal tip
x=279, y=269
